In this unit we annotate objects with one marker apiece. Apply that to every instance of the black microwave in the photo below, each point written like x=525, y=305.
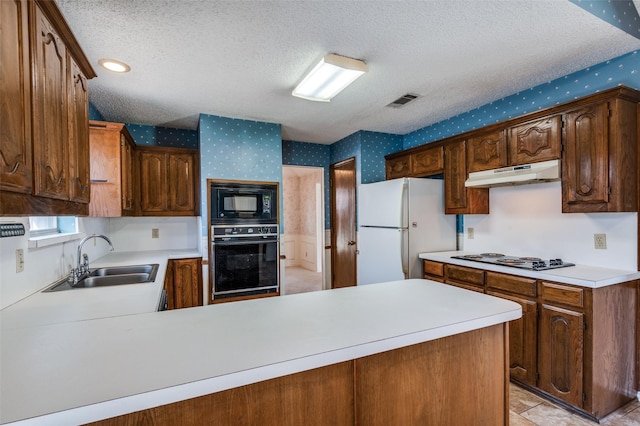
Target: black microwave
x=240, y=202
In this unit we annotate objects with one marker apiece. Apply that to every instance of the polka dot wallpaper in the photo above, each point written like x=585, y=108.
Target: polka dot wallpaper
x=619, y=13
x=232, y=148
x=623, y=70
x=94, y=114
x=163, y=136
x=374, y=146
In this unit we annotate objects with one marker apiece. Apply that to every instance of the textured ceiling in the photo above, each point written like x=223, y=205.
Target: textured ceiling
x=241, y=59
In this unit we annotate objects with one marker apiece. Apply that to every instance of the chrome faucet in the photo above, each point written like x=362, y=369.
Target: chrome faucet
x=82, y=267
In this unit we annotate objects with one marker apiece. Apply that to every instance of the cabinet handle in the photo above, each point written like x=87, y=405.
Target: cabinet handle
x=99, y=180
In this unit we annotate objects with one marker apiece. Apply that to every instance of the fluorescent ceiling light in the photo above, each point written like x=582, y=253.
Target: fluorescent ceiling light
x=329, y=77
x=115, y=66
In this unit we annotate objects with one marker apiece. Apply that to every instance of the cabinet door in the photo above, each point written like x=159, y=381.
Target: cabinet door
x=427, y=162
x=398, y=167
x=523, y=345
x=50, y=134
x=459, y=199
x=561, y=360
x=487, y=151
x=153, y=181
x=535, y=141
x=185, y=288
x=181, y=183
x=78, y=134
x=586, y=159
x=15, y=85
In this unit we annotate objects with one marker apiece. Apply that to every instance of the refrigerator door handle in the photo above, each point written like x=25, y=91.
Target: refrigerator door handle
x=404, y=252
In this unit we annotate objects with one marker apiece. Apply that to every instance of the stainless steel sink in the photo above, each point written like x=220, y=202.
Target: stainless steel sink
x=110, y=276
x=122, y=270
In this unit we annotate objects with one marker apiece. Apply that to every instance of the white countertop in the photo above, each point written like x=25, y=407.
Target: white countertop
x=80, y=371
x=581, y=275
x=90, y=303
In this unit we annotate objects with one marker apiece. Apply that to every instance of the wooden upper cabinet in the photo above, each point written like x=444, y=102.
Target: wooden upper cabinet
x=112, y=187
x=534, y=141
x=599, y=167
x=44, y=167
x=169, y=181
x=398, y=167
x=427, y=161
x=50, y=132
x=79, y=175
x=459, y=199
x=487, y=151
x=15, y=85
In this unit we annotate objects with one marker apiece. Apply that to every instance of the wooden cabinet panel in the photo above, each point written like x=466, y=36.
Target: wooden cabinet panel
x=169, y=181
x=433, y=270
x=534, y=141
x=561, y=356
x=50, y=133
x=464, y=275
x=182, y=177
x=78, y=134
x=562, y=294
x=586, y=163
x=153, y=182
x=523, y=340
x=414, y=385
x=112, y=190
x=183, y=283
x=459, y=199
x=600, y=163
x=15, y=92
x=398, y=167
x=427, y=162
x=487, y=151
x=511, y=283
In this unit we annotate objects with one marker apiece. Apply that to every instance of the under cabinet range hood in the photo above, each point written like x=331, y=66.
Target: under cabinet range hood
x=544, y=171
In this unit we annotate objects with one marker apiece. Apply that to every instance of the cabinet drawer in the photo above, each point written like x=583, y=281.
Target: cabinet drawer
x=558, y=293
x=513, y=284
x=433, y=268
x=464, y=275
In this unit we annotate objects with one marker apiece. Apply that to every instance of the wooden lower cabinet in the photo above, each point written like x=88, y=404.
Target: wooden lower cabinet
x=574, y=345
x=414, y=385
x=183, y=283
x=561, y=354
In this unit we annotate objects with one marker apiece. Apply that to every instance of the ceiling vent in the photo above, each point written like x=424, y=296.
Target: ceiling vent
x=403, y=100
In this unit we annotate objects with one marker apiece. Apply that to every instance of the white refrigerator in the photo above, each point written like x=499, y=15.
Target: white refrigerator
x=397, y=220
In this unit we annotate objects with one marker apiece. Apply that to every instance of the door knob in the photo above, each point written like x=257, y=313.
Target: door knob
x=350, y=243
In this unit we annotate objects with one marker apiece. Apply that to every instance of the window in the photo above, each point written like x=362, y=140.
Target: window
x=51, y=225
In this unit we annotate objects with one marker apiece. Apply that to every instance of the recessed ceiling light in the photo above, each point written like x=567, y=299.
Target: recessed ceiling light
x=114, y=65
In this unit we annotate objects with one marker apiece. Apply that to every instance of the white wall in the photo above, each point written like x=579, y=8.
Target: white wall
x=43, y=266
x=527, y=220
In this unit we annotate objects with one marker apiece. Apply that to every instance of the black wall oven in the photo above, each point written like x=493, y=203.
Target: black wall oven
x=245, y=260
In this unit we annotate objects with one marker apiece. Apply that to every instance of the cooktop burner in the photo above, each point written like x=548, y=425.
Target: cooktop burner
x=531, y=263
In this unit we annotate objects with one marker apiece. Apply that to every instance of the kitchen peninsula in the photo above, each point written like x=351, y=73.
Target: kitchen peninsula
x=410, y=351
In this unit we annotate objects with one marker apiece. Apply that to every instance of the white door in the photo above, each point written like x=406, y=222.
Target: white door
x=381, y=204
x=380, y=255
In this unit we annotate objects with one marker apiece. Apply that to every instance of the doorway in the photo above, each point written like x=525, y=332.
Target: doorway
x=303, y=245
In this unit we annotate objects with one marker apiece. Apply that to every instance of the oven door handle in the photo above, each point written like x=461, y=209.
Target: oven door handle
x=243, y=242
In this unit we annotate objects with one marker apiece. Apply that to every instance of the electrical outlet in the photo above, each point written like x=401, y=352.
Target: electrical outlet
x=19, y=260
x=470, y=233
x=155, y=233
x=600, y=241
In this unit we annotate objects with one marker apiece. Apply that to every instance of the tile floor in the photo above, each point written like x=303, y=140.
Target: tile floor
x=527, y=409
x=300, y=280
